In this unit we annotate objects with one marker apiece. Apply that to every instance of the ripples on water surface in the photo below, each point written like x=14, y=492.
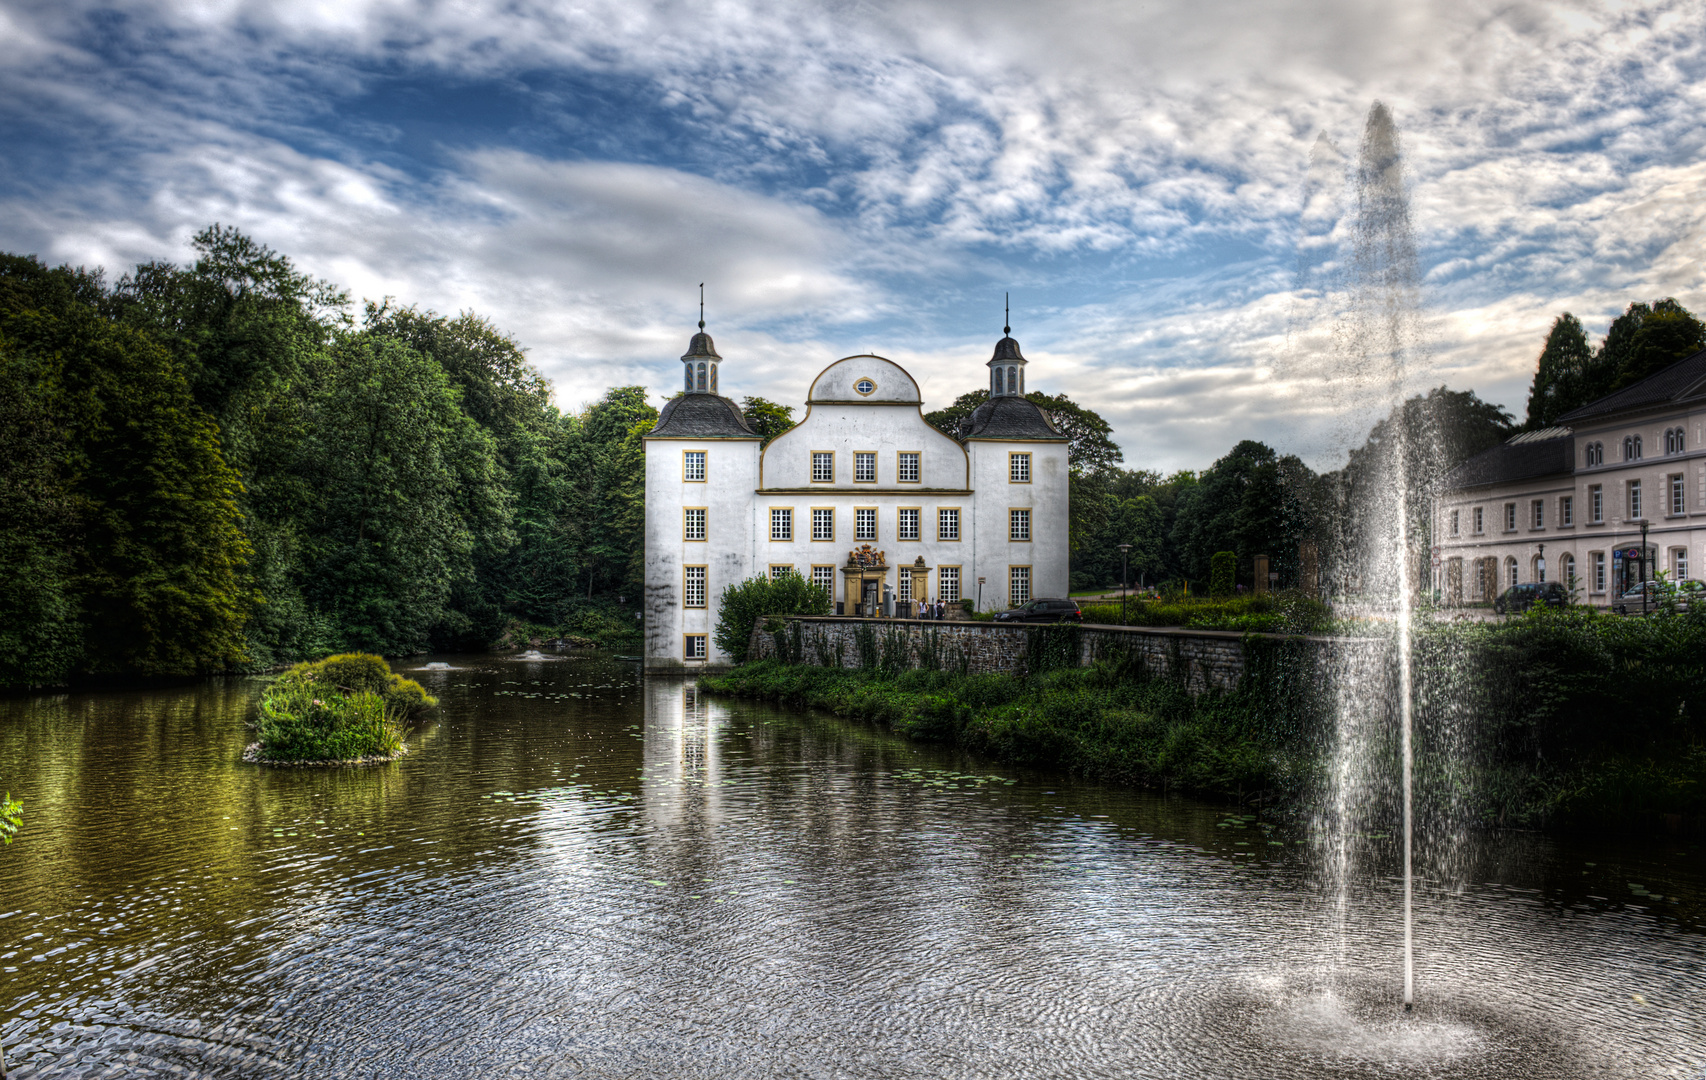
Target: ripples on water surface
x=576, y=873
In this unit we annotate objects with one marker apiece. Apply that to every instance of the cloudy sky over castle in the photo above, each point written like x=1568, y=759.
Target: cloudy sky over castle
x=1161, y=186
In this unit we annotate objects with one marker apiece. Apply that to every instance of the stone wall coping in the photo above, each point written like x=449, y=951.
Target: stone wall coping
x=1140, y=631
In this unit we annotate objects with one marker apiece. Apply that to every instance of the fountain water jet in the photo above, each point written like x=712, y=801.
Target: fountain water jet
x=1378, y=339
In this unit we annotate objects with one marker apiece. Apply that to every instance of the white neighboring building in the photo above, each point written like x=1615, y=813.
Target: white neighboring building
x=1583, y=492
x=861, y=497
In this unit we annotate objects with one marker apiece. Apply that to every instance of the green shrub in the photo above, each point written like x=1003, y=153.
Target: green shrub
x=1222, y=573
x=300, y=721
x=746, y=602
x=360, y=673
x=1265, y=613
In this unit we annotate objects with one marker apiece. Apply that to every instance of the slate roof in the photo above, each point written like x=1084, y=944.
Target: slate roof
x=1008, y=418
x=1679, y=382
x=701, y=345
x=1006, y=349
x=1519, y=459
x=702, y=416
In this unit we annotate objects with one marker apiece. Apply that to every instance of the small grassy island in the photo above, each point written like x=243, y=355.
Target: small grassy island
x=347, y=709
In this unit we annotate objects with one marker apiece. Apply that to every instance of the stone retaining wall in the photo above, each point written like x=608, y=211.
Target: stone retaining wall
x=1202, y=659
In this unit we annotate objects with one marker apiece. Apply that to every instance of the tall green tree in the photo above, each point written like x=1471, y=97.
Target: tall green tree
x=1559, y=378
x=157, y=545
x=1243, y=504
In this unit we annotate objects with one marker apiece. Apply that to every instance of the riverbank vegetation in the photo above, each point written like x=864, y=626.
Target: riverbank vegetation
x=1267, y=613
x=1556, y=719
x=343, y=709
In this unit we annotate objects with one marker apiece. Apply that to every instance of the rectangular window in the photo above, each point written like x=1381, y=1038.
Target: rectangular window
x=823, y=468
x=948, y=584
x=1676, y=506
x=1018, y=468
x=1635, y=499
x=692, y=586
x=1018, y=524
x=1596, y=504
x=1679, y=565
x=1510, y=517
x=824, y=578
x=1019, y=589
x=864, y=524
x=1538, y=509
x=778, y=571
x=903, y=589
x=823, y=523
x=693, y=523
x=695, y=647
x=864, y=468
x=906, y=524
x=781, y=523
x=1480, y=523
x=1599, y=571
x=1454, y=523
x=906, y=467
x=693, y=465
x=1567, y=510
x=948, y=523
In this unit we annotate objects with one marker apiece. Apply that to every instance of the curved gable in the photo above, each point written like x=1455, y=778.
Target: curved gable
x=841, y=381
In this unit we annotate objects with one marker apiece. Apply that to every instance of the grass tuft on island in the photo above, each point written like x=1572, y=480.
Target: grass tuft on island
x=347, y=709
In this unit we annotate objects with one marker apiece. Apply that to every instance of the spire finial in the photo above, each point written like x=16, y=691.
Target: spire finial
x=701, y=305
x=1007, y=314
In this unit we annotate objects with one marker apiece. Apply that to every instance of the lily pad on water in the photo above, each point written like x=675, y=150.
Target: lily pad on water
x=654, y=882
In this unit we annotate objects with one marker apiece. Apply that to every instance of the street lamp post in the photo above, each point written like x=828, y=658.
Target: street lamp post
x=1643, y=566
x=1542, y=566
x=1125, y=578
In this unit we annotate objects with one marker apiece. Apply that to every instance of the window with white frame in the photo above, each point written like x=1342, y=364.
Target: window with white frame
x=1454, y=523
x=1679, y=564
x=781, y=523
x=1673, y=440
x=824, y=578
x=1018, y=524
x=1539, y=569
x=1676, y=505
x=1594, y=454
x=693, y=465
x=948, y=523
x=1019, y=468
x=693, y=586
x=778, y=571
x=865, y=468
x=1510, y=517
x=903, y=586
x=1538, y=513
x=823, y=467
x=1635, y=499
x=693, y=523
x=1599, y=571
x=865, y=524
x=906, y=524
x=1480, y=521
x=1596, y=504
x=1567, y=570
x=1019, y=585
x=906, y=467
x=695, y=647
x=1510, y=571
x=823, y=523
x=948, y=583
x=1567, y=510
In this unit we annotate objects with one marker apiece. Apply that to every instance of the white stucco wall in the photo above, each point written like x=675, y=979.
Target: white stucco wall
x=731, y=474
x=1046, y=496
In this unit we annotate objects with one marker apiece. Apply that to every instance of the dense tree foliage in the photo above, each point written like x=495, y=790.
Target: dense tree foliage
x=216, y=465
x=1645, y=339
x=766, y=417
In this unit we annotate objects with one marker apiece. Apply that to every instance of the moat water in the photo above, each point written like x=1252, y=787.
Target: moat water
x=579, y=873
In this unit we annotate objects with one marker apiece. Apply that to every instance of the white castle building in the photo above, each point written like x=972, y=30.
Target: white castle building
x=861, y=497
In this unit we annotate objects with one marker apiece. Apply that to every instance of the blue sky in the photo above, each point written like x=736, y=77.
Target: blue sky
x=873, y=176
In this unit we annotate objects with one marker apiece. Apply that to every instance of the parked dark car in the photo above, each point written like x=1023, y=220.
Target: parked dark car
x=1519, y=598
x=1046, y=610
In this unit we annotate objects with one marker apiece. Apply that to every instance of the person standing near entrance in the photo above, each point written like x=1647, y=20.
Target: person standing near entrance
x=941, y=608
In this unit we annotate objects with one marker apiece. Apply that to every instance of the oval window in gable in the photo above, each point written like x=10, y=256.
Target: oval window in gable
x=865, y=386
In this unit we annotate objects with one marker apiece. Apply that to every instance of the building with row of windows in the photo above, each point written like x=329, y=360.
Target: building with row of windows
x=862, y=497
x=1582, y=492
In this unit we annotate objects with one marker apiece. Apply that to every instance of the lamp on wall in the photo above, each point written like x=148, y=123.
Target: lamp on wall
x=1125, y=576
